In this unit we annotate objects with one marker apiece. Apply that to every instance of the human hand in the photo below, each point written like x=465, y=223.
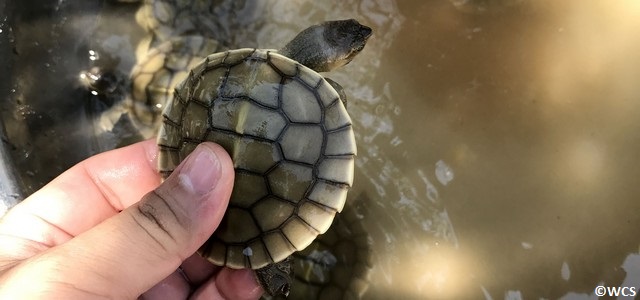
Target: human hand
x=85, y=235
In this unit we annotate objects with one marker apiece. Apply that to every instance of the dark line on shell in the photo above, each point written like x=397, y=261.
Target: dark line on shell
x=300, y=163
x=266, y=249
x=173, y=123
x=338, y=183
x=245, y=171
x=255, y=137
x=341, y=128
x=247, y=98
x=284, y=235
x=309, y=124
x=309, y=225
x=319, y=83
x=191, y=141
x=169, y=148
x=322, y=205
x=333, y=103
x=200, y=103
x=340, y=155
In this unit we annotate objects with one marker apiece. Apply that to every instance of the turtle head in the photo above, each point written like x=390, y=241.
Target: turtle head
x=329, y=45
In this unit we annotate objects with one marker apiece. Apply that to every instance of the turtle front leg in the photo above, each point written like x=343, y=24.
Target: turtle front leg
x=276, y=278
x=339, y=89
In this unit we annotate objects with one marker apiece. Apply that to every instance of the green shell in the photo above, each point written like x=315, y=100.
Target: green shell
x=291, y=141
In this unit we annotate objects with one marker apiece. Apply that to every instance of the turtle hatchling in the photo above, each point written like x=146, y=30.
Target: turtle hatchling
x=289, y=135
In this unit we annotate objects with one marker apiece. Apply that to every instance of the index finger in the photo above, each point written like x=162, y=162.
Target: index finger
x=85, y=195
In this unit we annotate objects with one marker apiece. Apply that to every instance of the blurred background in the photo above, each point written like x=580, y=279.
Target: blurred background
x=498, y=141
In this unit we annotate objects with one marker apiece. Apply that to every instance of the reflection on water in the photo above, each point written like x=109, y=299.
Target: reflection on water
x=498, y=140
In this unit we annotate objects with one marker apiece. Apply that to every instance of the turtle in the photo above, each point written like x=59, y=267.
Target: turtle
x=135, y=101
x=165, y=19
x=129, y=106
x=338, y=263
x=160, y=69
x=290, y=138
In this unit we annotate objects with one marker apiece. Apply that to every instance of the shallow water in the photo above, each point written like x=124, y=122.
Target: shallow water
x=497, y=140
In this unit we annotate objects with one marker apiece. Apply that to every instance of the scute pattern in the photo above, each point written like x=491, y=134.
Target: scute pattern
x=166, y=19
x=160, y=69
x=291, y=141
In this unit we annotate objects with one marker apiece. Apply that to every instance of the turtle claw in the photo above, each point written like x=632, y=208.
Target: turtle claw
x=276, y=278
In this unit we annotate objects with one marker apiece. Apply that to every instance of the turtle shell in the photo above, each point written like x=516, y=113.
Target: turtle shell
x=291, y=142
x=169, y=18
x=161, y=69
x=337, y=265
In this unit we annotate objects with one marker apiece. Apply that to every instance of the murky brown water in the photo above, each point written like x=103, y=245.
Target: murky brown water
x=498, y=140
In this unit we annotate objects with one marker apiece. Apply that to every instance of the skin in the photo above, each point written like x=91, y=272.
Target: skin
x=107, y=228
x=329, y=45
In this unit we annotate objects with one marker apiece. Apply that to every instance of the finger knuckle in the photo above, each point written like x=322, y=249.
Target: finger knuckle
x=159, y=219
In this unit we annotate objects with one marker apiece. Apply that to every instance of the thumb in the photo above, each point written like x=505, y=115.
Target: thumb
x=127, y=254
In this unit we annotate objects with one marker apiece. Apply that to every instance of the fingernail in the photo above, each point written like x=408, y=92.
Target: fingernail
x=201, y=171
